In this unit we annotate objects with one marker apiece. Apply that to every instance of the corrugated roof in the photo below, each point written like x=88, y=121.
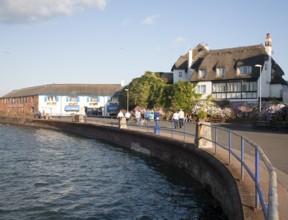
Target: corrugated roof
x=67, y=89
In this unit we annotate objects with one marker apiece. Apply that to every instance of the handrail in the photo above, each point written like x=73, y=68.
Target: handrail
x=270, y=210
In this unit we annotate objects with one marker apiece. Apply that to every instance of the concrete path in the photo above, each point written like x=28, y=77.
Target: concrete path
x=273, y=143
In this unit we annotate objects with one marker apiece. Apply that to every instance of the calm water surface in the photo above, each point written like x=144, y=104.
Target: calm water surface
x=52, y=175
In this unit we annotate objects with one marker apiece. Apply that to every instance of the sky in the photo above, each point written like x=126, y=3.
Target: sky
x=106, y=41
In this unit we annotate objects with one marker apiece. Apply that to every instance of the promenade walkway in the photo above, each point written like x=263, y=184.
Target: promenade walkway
x=273, y=143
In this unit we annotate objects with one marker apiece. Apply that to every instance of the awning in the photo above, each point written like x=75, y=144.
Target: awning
x=72, y=108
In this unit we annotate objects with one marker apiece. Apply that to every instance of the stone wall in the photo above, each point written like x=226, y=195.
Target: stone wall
x=201, y=165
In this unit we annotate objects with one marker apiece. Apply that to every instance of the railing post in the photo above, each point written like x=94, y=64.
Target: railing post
x=184, y=131
x=242, y=158
x=273, y=197
x=216, y=138
x=196, y=140
x=257, y=177
x=230, y=146
x=172, y=126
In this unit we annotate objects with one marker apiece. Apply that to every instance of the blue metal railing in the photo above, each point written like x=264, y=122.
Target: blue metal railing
x=270, y=207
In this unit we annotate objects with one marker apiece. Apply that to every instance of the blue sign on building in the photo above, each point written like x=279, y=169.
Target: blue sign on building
x=112, y=108
x=72, y=108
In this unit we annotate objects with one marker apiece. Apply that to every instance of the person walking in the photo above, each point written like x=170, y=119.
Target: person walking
x=127, y=116
x=175, y=119
x=137, y=116
x=181, y=118
x=120, y=115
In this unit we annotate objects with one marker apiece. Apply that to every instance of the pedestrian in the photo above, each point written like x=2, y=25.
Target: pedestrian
x=181, y=118
x=127, y=116
x=137, y=116
x=120, y=115
x=175, y=119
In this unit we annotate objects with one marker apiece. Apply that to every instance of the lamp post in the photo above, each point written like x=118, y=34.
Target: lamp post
x=260, y=87
x=127, y=90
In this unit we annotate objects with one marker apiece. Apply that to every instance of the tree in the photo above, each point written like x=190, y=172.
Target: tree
x=144, y=91
x=151, y=91
x=182, y=95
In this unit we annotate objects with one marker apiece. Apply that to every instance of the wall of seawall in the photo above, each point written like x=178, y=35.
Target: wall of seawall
x=201, y=165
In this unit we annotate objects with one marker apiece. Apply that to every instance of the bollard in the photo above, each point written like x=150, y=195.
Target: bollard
x=122, y=122
x=203, y=134
x=157, y=127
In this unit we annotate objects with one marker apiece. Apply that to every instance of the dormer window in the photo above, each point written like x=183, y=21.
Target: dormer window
x=244, y=70
x=202, y=73
x=221, y=72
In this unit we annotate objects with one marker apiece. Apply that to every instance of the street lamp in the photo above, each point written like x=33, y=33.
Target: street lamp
x=260, y=87
x=127, y=90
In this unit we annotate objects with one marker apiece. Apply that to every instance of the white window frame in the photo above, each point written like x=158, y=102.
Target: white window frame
x=201, y=89
x=244, y=70
x=93, y=98
x=202, y=73
x=221, y=71
x=51, y=98
x=72, y=98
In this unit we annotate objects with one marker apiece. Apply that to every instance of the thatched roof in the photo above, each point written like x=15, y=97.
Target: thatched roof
x=230, y=59
x=66, y=89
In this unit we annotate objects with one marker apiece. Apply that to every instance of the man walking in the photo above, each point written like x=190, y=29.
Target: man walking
x=181, y=118
x=175, y=119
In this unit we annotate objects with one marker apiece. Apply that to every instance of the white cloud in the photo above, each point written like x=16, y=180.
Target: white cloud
x=180, y=40
x=29, y=11
x=150, y=20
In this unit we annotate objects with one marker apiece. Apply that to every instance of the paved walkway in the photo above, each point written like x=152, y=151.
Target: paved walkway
x=273, y=143
x=275, y=146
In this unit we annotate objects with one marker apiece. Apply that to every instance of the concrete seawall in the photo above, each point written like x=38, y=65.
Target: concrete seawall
x=202, y=166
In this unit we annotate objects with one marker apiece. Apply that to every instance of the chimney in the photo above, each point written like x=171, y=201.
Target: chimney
x=268, y=44
x=190, y=58
x=122, y=83
x=206, y=47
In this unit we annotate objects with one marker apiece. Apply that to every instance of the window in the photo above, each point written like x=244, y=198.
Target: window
x=93, y=99
x=235, y=90
x=244, y=70
x=180, y=74
x=51, y=99
x=221, y=72
x=234, y=87
x=26, y=99
x=219, y=87
x=201, y=89
x=203, y=73
x=19, y=100
x=72, y=99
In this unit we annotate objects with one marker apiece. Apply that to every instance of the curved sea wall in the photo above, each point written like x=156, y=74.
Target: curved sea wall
x=201, y=165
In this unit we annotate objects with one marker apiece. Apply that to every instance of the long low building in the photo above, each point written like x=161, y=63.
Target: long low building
x=63, y=99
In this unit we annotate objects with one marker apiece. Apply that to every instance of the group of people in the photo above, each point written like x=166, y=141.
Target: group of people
x=140, y=119
x=127, y=116
x=178, y=119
